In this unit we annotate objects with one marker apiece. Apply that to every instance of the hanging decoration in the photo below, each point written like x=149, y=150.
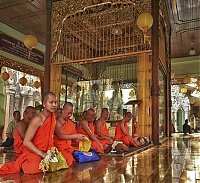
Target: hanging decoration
x=30, y=41
x=186, y=79
x=36, y=84
x=62, y=91
x=144, y=22
x=184, y=90
x=23, y=81
x=198, y=81
x=192, y=100
x=5, y=76
x=172, y=74
x=132, y=93
x=95, y=87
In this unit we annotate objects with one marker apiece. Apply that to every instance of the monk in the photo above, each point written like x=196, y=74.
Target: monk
x=58, y=112
x=102, y=131
x=65, y=134
x=101, y=128
x=86, y=127
x=21, y=127
x=38, y=139
x=122, y=132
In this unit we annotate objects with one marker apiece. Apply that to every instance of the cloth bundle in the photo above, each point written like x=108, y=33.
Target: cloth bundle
x=84, y=154
x=53, y=161
x=82, y=157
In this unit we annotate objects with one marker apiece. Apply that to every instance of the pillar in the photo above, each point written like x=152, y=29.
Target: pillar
x=155, y=71
x=144, y=94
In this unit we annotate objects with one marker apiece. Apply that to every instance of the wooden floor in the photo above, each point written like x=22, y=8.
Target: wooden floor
x=176, y=160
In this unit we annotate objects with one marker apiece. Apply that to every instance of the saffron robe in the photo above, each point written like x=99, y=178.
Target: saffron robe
x=18, y=142
x=94, y=144
x=119, y=135
x=104, y=129
x=29, y=161
x=65, y=146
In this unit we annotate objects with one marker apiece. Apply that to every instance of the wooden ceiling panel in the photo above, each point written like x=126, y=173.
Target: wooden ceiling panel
x=30, y=16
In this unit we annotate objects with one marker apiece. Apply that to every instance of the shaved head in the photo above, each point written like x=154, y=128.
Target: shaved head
x=46, y=96
x=68, y=105
x=128, y=114
x=90, y=111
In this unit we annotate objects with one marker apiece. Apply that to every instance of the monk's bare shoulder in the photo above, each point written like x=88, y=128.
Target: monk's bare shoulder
x=37, y=120
x=20, y=124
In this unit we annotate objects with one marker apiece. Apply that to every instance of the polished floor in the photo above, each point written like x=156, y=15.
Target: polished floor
x=176, y=160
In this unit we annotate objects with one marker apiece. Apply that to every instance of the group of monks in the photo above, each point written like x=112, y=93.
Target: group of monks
x=35, y=134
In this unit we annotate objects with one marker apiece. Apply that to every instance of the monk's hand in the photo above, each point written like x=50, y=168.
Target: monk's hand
x=43, y=154
x=111, y=140
x=101, y=146
x=81, y=137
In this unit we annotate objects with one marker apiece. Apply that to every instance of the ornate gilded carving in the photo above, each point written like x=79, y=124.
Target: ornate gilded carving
x=21, y=67
x=88, y=29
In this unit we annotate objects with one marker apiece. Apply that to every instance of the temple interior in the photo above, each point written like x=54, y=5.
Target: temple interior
x=132, y=56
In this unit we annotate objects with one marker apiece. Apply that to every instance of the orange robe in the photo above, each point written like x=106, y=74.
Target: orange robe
x=28, y=161
x=18, y=142
x=94, y=144
x=104, y=129
x=119, y=135
x=65, y=146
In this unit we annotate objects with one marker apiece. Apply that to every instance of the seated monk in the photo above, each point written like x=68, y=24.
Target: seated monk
x=86, y=127
x=21, y=127
x=122, y=132
x=101, y=128
x=65, y=133
x=38, y=139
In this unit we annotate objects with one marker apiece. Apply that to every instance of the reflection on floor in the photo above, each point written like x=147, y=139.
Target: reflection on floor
x=176, y=160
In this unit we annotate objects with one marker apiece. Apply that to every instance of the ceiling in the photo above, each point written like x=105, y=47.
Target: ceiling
x=29, y=16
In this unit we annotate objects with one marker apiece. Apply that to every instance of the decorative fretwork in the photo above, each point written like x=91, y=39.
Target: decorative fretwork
x=83, y=30
x=25, y=68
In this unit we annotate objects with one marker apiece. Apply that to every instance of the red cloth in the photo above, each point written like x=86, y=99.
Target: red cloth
x=119, y=135
x=65, y=146
x=28, y=161
x=94, y=144
x=18, y=142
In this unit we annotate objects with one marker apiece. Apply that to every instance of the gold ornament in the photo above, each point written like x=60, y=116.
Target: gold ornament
x=36, y=84
x=62, y=91
x=30, y=41
x=132, y=93
x=145, y=21
x=23, y=81
x=186, y=79
x=184, y=90
x=5, y=76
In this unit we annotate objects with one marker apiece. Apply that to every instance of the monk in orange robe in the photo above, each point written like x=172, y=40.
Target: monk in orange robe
x=101, y=128
x=38, y=139
x=21, y=127
x=66, y=134
x=122, y=132
x=86, y=127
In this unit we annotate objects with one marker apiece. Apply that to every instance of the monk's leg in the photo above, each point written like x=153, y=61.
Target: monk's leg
x=68, y=156
x=31, y=164
x=96, y=147
x=128, y=141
